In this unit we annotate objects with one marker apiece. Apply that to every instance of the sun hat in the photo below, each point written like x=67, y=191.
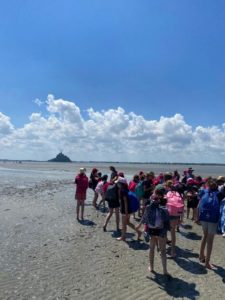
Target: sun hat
x=82, y=170
x=221, y=178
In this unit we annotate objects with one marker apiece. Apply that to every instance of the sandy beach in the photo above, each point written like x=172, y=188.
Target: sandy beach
x=47, y=254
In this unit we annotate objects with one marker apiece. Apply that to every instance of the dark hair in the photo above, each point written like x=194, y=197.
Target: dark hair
x=105, y=177
x=159, y=192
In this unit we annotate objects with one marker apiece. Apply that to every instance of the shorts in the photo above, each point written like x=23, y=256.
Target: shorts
x=211, y=228
x=157, y=232
x=113, y=204
x=193, y=203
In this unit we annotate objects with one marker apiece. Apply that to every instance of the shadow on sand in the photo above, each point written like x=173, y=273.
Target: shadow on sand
x=191, y=236
x=137, y=245
x=87, y=222
x=176, y=287
x=183, y=260
x=221, y=272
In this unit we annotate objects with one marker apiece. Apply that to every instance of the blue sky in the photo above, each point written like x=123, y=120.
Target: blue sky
x=153, y=58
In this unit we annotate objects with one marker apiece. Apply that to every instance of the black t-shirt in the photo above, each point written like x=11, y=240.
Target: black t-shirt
x=147, y=184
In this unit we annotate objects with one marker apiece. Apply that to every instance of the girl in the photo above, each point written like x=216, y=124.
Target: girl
x=125, y=209
x=157, y=218
x=192, y=202
x=99, y=190
x=175, y=206
x=94, y=178
x=81, y=182
x=111, y=195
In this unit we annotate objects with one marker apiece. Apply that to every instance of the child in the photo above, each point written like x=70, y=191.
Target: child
x=99, y=190
x=192, y=202
x=125, y=209
x=157, y=218
x=81, y=181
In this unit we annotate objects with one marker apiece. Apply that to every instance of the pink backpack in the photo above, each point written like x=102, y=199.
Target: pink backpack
x=175, y=203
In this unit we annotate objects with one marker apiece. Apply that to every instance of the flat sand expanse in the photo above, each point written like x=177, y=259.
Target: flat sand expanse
x=47, y=254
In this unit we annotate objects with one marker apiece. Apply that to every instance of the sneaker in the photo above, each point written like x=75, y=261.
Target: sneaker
x=146, y=237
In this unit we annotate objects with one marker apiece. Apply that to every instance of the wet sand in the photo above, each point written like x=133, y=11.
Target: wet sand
x=47, y=254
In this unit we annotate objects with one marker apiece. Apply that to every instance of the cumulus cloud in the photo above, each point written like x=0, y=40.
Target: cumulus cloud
x=114, y=135
x=6, y=126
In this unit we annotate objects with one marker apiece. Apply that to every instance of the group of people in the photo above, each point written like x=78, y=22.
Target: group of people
x=162, y=200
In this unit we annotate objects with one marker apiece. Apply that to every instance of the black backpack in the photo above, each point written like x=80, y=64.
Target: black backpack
x=111, y=193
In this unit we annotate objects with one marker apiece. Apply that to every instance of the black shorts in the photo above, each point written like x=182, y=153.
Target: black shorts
x=154, y=231
x=113, y=204
x=193, y=203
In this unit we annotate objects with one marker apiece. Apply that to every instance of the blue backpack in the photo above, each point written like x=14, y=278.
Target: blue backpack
x=209, y=207
x=139, y=190
x=133, y=202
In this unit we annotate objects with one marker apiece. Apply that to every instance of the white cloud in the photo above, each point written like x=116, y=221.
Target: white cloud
x=6, y=126
x=38, y=102
x=112, y=134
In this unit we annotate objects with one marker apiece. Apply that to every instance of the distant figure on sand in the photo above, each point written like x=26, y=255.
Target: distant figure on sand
x=81, y=181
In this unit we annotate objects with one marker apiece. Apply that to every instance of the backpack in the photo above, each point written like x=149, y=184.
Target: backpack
x=111, y=193
x=139, y=190
x=175, y=203
x=209, y=207
x=133, y=202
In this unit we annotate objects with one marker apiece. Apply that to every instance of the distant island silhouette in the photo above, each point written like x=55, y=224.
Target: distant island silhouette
x=60, y=158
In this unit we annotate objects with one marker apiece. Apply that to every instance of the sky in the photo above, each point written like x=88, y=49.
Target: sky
x=116, y=80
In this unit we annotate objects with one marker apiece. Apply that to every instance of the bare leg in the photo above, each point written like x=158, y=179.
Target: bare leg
x=173, y=225
x=188, y=212
x=78, y=209
x=210, y=239
x=162, y=247
x=151, y=253
x=82, y=209
x=203, y=244
x=131, y=225
x=94, y=203
x=108, y=217
x=195, y=214
x=117, y=212
x=124, y=228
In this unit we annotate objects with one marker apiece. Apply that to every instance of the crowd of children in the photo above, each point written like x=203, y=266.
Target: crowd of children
x=161, y=202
